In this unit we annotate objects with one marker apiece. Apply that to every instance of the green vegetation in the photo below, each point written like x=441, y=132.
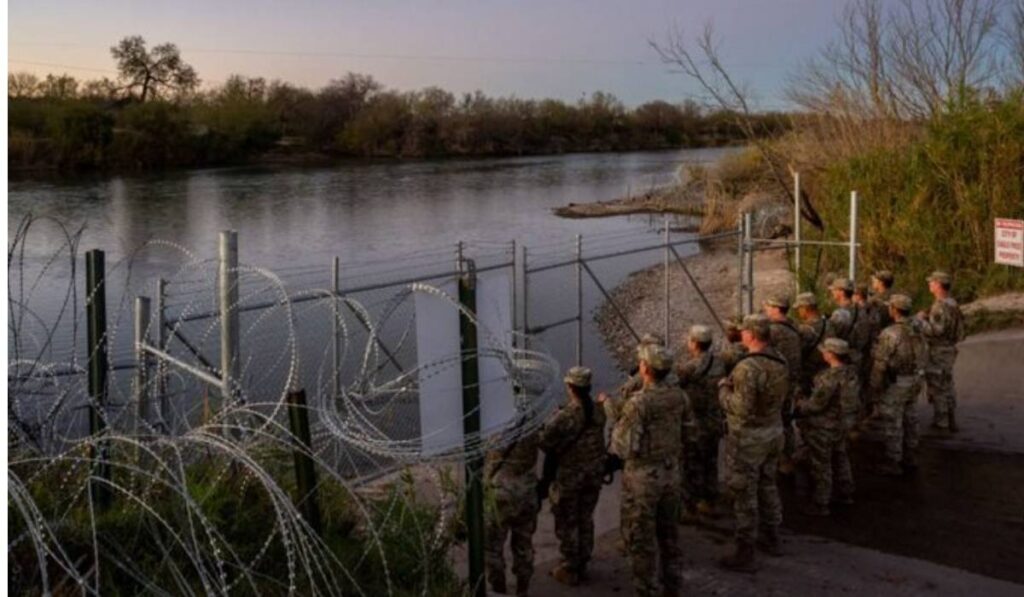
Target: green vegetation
x=930, y=204
x=154, y=116
x=221, y=519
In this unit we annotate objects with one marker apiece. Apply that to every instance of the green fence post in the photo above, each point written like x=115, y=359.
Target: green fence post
x=305, y=472
x=471, y=428
x=96, y=332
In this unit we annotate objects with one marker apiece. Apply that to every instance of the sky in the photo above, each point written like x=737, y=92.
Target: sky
x=530, y=48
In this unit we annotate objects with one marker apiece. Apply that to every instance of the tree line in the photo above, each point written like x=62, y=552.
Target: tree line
x=155, y=115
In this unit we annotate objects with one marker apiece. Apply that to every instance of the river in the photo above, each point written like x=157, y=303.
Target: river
x=384, y=213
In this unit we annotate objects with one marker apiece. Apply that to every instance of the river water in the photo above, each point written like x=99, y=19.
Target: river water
x=386, y=213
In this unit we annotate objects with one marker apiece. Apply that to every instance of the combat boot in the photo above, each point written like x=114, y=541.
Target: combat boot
x=498, y=583
x=742, y=560
x=522, y=586
x=564, y=575
x=768, y=541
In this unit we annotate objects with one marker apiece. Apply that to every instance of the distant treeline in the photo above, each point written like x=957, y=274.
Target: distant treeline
x=58, y=123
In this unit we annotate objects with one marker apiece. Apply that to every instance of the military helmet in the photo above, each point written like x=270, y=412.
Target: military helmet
x=841, y=284
x=901, y=302
x=578, y=376
x=758, y=324
x=658, y=357
x=806, y=299
x=700, y=334
x=940, y=276
x=650, y=338
x=779, y=300
x=885, y=276
x=836, y=346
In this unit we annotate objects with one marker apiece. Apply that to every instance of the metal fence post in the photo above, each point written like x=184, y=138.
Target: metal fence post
x=471, y=427
x=853, y=236
x=748, y=227
x=141, y=338
x=796, y=229
x=306, y=498
x=526, y=298
x=741, y=238
x=515, y=294
x=336, y=326
x=160, y=338
x=96, y=316
x=579, y=299
x=228, y=303
x=668, y=339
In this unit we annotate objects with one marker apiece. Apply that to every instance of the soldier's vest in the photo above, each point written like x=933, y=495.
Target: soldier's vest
x=587, y=452
x=910, y=356
x=702, y=388
x=516, y=460
x=849, y=395
x=786, y=340
x=856, y=330
x=843, y=405
x=766, y=410
x=661, y=408
x=954, y=333
x=811, y=360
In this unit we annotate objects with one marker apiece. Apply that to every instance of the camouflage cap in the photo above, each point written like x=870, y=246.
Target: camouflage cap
x=778, y=300
x=733, y=324
x=578, y=376
x=841, y=284
x=757, y=323
x=901, y=302
x=885, y=276
x=650, y=338
x=700, y=333
x=836, y=346
x=940, y=276
x=658, y=357
x=806, y=299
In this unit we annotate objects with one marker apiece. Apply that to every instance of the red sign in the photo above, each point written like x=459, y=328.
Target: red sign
x=1010, y=242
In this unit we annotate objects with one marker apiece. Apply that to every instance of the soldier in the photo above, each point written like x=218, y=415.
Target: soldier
x=575, y=436
x=699, y=377
x=898, y=362
x=823, y=428
x=878, y=301
x=752, y=398
x=732, y=349
x=943, y=326
x=511, y=479
x=613, y=405
x=649, y=438
x=849, y=321
x=814, y=329
x=786, y=340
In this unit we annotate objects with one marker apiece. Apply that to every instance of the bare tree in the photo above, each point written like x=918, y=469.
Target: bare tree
x=1013, y=36
x=22, y=84
x=59, y=87
x=729, y=95
x=152, y=73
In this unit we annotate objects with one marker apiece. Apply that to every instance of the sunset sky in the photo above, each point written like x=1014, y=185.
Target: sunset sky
x=551, y=48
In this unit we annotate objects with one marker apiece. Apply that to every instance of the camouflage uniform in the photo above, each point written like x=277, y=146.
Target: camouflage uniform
x=613, y=406
x=898, y=361
x=943, y=328
x=512, y=481
x=580, y=447
x=752, y=401
x=699, y=378
x=648, y=437
x=786, y=340
x=823, y=429
x=812, y=334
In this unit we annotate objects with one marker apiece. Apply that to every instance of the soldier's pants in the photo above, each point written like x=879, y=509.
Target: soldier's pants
x=788, y=430
x=941, y=392
x=515, y=514
x=650, y=512
x=753, y=464
x=573, y=509
x=701, y=466
x=829, y=462
x=897, y=410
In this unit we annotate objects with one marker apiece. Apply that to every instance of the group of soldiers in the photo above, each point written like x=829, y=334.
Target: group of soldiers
x=777, y=390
